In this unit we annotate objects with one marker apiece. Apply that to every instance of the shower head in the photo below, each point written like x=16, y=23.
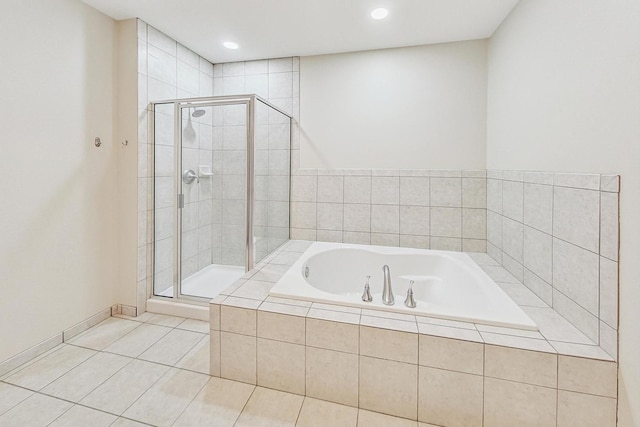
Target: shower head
x=198, y=113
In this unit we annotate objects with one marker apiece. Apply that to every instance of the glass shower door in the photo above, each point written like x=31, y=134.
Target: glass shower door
x=213, y=167
x=272, y=177
x=221, y=191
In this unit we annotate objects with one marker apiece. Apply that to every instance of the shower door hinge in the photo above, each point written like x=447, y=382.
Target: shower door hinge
x=180, y=201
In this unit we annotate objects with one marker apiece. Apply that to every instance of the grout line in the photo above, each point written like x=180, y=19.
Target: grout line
x=193, y=398
x=304, y=398
x=245, y=403
x=484, y=381
x=599, y=263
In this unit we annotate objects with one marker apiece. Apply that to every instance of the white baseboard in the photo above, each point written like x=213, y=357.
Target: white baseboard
x=46, y=345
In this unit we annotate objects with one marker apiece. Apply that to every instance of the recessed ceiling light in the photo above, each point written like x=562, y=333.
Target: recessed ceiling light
x=379, y=13
x=230, y=45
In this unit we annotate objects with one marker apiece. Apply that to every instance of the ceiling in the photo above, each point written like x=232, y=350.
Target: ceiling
x=279, y=28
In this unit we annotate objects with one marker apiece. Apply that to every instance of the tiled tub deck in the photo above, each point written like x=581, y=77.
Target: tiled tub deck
x=436, y=371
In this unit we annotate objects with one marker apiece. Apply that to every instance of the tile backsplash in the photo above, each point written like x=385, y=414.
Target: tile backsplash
x=558, y=234
x=433, y=209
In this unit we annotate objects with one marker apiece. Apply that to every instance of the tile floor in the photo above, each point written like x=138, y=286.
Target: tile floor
x=152, y=370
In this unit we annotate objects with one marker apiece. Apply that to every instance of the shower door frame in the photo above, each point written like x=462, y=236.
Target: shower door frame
x=210, y=101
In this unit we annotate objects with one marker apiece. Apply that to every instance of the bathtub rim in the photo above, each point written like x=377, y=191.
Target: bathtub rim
x=295, y=272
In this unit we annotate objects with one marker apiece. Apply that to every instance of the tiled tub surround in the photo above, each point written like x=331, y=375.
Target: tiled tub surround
x=558, y=234
x=430, y=209
x=436, y=371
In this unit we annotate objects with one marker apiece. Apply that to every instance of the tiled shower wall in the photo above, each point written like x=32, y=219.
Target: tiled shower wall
x=558, y=234
x=433, y=209
x=168, y=70
x=277, y=81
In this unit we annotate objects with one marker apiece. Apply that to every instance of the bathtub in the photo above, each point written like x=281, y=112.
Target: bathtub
x=448, y=285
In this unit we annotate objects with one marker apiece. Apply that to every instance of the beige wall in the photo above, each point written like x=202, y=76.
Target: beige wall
x=58, y=215
x=414, y=107
x=564, y=95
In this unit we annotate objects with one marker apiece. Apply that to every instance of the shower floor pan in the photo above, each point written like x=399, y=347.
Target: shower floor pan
x=209, y=281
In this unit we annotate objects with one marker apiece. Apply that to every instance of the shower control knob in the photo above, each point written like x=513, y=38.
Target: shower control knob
x=188, y=176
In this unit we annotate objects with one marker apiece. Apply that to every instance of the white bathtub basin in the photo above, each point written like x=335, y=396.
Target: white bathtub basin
x=451, y=285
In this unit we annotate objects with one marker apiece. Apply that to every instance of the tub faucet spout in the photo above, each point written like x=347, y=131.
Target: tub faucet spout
x=387, y=292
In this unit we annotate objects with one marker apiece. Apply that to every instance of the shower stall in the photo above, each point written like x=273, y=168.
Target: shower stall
x=221, y=191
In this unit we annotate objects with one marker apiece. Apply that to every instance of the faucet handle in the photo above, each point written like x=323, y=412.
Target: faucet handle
x=366, y=296
x=409, y=301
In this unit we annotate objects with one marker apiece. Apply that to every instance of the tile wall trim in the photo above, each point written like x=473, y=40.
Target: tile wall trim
x=46, y=345
x=30, y=354
x=80, y=327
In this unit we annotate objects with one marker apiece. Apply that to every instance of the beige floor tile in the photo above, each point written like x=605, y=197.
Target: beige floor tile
x=138, y=341
x=32, y=361
x=218, y=404
x=81, y=380
x=37, y=410
x=142, y=318
x=105, y=333
x=164, y=320
x=49, y=368
x=121, y=390
x=172, y=347
x=198, y=357
x=270, y=408
x=124, y=422
x=320, y=413
x=81, y=416
x=163, y=403
x=374, y=419
x=194, y=326
x=10, y=396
